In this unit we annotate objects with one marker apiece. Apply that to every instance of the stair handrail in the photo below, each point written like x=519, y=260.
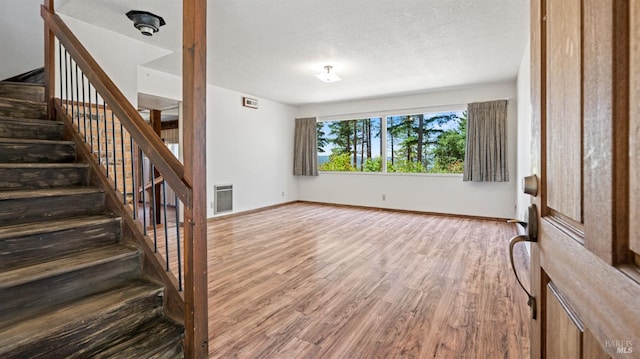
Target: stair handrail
x=166, y=163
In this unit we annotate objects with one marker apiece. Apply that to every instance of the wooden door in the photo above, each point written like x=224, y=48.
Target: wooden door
x=586, y=151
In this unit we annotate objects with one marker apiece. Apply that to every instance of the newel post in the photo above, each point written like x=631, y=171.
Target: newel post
x=194, y=97
x=49, y=64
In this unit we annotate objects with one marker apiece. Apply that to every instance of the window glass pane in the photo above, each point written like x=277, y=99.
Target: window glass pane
x=426, y=142
x=350, y=145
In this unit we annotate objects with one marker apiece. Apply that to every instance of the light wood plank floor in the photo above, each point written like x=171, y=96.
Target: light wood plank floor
x=318, y=281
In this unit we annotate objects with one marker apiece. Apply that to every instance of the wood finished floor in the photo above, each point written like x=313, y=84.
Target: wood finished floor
x=316, y=281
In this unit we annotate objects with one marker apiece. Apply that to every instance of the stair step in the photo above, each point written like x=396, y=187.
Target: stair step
x=22, y=91
x=13, y=150
x=158, y=339
x=14, y=176
x=22, y=108
x=35, y=76
x=30, y=128
x=24, y=206
x=27, y=290
x=29, y=243
x=75, y=328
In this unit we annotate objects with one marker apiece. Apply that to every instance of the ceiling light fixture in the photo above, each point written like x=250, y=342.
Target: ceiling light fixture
x=328, y=76
x=146, y=22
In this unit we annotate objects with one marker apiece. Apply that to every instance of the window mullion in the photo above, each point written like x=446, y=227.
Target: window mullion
x=383, y=147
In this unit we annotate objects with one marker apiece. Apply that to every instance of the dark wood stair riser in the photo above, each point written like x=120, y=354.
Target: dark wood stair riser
x=22, y=109
x=23, y=210
x=22, y=251
x=35, y=295
x=116, y=325
x=36, y=152
x=83, y=335
x=22, y=91
x=158, y=338
x=25, y=177
x=40, y=129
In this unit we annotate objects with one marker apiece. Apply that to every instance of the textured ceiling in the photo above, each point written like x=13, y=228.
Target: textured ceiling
x=273, y=49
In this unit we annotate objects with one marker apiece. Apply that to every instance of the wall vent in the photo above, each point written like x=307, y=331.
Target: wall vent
x=223, y=199
x=249, y=102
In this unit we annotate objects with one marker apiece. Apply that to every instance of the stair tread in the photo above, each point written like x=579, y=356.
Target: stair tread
x=26, y=102
x=29, y=121
x=153, y=337
x=13, y=107
x=29, y=141
x=26, y=229
x=85, y=309
x=48, y=192
x=37, y=175
x=19, y=118
x=22, y=90
x=16, y=83
x=64, y=264
x=21, y=165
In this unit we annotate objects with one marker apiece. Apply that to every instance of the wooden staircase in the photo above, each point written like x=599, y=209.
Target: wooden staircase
x=69, y=287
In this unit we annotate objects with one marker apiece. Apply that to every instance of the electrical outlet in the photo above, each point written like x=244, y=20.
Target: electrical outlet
x=384, y=197
x=282, y=194
x=212, y=205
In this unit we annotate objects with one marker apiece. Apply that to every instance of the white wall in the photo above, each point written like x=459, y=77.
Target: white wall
x=21, y=37
x=118, y=55
x=251, y=149
x=524, y=131
x=430, y=193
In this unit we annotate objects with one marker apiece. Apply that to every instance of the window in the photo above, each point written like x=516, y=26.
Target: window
x=350, y=145
x=427, y=142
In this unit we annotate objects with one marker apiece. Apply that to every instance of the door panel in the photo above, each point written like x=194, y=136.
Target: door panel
x=605, y=81
x=585, y=152
x=591, y=349
x=604, y=299
x=564, y=192
x=564, y=331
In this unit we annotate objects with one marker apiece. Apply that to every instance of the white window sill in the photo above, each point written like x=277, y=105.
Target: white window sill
x=357, y=173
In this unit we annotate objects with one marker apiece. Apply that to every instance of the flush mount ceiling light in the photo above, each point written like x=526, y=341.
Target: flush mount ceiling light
x=146, y=22
x=327, y=75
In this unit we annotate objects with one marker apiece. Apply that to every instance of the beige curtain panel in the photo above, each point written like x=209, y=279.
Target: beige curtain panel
x=305, y=155
x=485, y=158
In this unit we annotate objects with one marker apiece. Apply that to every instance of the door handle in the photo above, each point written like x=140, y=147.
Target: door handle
x=530, y=236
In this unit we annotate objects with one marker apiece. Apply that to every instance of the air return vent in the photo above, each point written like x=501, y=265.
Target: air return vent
x=224, y=198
